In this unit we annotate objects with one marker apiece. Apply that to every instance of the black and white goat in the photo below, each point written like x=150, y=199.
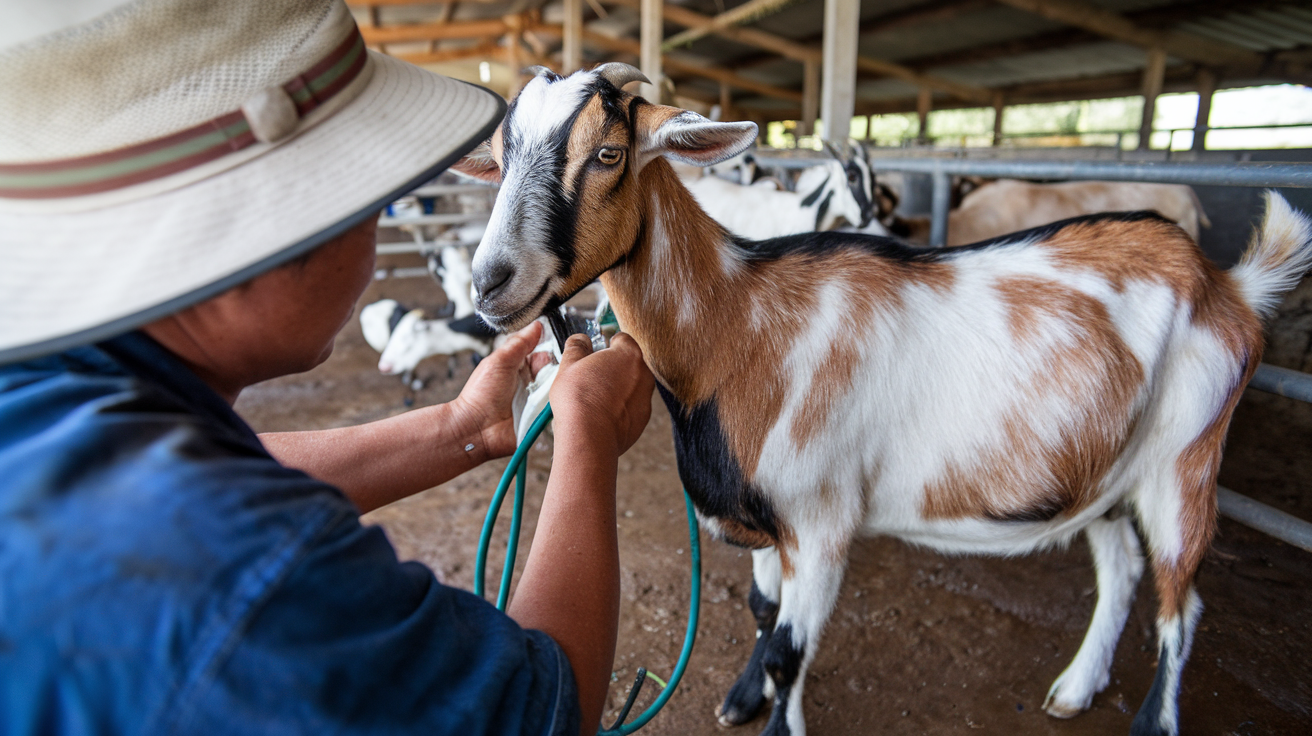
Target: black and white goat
x=996, y=398
x=836, y=192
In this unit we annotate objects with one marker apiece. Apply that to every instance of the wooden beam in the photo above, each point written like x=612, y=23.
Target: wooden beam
x=1113, y=25
x=571, y=52
x=999, y=107
x=1206, y=88
x=924, y=101
x=726, y=102
x=748, y=12
x=838, y=92
x=810, y=97
x=1154, y=74
x=434, y=31
x=673, y=64
x=650, y=32
x=485, y=49
x=514, y=57
x=803, y=53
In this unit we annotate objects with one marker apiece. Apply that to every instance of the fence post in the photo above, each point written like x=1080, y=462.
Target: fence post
x=941, y=202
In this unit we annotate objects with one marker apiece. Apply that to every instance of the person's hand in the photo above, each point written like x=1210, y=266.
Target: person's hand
x=605, y=396
x=484, y=406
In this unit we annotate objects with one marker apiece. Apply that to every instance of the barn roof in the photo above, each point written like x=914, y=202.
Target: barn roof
x=967, y=52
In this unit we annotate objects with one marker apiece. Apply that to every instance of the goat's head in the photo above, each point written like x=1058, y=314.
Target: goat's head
x=568, y=155
x=859, y=181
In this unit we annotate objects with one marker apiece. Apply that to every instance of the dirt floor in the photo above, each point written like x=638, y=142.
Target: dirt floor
x=920, y=643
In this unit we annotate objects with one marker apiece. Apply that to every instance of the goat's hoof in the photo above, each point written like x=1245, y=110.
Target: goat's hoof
x=731, y=718
x=1058, y=708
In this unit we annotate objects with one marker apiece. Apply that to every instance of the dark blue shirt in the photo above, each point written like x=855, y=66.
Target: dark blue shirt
x=160, y=573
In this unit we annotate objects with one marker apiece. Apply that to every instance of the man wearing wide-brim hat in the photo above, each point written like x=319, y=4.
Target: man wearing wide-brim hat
x=188, y=197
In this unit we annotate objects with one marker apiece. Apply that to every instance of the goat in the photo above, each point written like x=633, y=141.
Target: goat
x=837, y=191
x=378, y=320
x=1008, y=205
x=996, y=398
x=416, y=338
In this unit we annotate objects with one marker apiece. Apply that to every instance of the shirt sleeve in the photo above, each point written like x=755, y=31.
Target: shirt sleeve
x=353, y=642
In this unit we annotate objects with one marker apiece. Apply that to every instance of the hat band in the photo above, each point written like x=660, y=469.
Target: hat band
x=185, y=149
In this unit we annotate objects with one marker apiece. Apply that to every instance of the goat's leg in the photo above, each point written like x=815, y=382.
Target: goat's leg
x=748, y=694
x=1119, y=565
x=1177, y=535
x=806, y=599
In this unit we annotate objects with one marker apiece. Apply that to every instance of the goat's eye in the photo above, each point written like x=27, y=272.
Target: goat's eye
x=610, y=156
x=851, y=176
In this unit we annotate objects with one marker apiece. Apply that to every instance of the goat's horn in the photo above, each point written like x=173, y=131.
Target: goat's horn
x=833, y=151
x=620, y=74
x=538, y=70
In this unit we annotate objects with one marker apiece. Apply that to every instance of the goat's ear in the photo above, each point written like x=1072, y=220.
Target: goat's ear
x=479, y=164
x=687, y=137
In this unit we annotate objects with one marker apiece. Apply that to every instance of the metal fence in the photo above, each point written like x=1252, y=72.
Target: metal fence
x=1268, y=378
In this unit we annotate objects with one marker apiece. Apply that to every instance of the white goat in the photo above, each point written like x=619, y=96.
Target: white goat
x=827, y=195
x=993, y=399
x=416, y=338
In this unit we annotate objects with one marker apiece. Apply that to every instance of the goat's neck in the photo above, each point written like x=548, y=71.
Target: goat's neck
x=680, y=277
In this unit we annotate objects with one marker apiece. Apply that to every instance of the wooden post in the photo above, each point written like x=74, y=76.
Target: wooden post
x=375, y=18
x=1153, y=73
x=924, y=101
x=571, y=52
x=651, y=33
x=810, y=97
x=838, y=93
x=998, y=110
x=513, y=57
x=870, y=127
x=1206, y=88
x=726, y=102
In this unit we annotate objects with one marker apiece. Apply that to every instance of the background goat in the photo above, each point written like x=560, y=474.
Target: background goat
x=996, y=398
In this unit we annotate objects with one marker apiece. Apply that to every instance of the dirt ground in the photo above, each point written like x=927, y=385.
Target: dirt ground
x=920, y=643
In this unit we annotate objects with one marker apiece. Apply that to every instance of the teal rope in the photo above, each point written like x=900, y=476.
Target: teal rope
x=518, y=469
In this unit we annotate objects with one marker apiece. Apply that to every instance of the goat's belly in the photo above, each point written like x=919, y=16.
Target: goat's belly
x=984, y=536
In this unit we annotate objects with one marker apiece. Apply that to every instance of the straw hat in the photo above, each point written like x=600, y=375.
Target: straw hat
x=156, y=153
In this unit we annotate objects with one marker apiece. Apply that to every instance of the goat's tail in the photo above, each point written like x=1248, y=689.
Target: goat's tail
x=1278, y=255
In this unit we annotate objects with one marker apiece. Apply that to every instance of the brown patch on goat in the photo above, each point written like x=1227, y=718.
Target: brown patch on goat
x=1120, y=251
x=1027, y=477
x=830, y=380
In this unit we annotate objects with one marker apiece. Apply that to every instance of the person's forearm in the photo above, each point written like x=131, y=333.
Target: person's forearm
x=377, y=463
x=571, y=583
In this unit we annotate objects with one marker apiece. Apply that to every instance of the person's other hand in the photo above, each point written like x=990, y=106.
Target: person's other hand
x=603, y=396
x=484, y=406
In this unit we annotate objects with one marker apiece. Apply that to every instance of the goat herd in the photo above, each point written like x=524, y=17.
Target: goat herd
x=993, y=398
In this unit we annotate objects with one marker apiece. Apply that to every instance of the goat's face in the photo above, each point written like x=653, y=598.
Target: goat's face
x=568, y=156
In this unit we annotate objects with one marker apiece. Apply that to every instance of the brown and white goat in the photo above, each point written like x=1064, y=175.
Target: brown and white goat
x=996, y=398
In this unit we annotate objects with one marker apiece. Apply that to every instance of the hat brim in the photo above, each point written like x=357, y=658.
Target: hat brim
x=73, y=279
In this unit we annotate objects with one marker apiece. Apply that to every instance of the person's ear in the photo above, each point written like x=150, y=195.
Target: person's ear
x=479, y=164
x=687, y=137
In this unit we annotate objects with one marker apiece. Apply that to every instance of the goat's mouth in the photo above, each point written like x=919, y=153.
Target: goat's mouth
x=505, y=317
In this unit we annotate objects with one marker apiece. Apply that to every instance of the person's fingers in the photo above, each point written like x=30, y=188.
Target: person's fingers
x=537, y=361
x=577, y=347
x=522, y=343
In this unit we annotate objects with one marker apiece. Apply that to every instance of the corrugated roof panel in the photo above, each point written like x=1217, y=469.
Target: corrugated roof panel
x=1086, y=60
x=1218, y=30
x=1255, y=28
x=1302, y=27
x=985, y=26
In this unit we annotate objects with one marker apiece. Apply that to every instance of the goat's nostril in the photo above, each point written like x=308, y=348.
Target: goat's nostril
x=490, y=280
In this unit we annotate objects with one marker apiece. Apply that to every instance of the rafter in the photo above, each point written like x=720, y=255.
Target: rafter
x=488, y=47
x=748, y=12
x=434, y=31
x=805, y=53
